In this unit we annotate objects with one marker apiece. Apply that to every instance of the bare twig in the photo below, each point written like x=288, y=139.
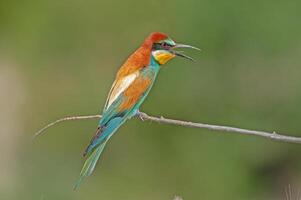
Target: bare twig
x=162, y=120
x=71, y=118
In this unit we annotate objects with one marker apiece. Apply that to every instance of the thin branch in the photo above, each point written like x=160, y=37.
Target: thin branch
x=162, y=120
x=71, y=118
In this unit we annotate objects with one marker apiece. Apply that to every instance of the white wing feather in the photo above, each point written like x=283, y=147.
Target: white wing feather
x=120, y=86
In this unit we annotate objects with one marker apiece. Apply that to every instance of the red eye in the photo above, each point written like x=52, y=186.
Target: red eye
x=165, y=45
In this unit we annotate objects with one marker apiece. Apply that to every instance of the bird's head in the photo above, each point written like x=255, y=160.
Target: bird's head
x=164, y=48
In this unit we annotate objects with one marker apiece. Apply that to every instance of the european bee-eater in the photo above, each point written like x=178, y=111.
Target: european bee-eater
x=133, y=82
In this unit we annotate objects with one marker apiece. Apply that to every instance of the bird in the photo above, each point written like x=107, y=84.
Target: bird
x=132, y=84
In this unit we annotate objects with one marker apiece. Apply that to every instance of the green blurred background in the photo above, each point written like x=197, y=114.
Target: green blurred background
x=59, y=58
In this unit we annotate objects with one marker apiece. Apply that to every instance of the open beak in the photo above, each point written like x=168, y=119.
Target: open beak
x=180, y=53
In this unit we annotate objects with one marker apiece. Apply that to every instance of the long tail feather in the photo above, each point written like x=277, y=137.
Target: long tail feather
x=104, y=133
x=96, y=146
x=90, y=164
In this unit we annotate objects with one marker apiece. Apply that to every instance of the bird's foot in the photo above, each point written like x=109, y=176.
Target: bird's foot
x=140, y=115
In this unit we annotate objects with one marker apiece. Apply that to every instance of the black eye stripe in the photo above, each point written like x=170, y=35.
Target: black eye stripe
x=161, y=46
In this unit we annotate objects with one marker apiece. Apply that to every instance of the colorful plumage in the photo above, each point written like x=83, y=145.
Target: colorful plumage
x=130, y=88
